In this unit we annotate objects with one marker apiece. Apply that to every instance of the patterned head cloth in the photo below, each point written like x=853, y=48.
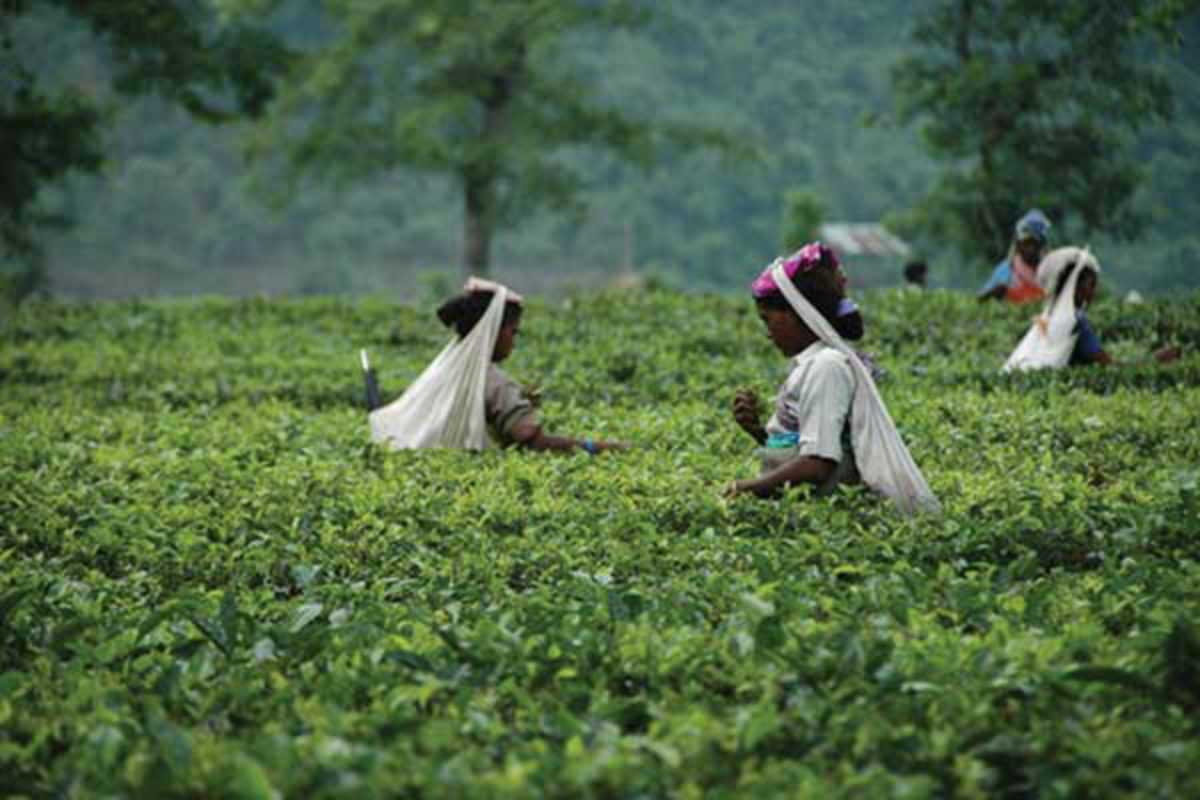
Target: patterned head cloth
x=806, y=259
x=1034, y=225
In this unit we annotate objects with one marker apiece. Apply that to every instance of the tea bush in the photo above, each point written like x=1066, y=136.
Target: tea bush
x=213, y=585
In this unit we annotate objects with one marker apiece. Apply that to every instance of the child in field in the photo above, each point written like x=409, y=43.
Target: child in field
x=829, y=425
x=1062, y=335
x=463, y=396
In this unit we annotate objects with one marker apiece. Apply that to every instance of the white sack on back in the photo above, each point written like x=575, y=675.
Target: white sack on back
x=444, y=407
x=882, y=458
x=1051, y=338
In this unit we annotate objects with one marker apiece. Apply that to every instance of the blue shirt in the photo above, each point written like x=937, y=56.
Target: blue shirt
x=1087, y=346
x=1001, y=276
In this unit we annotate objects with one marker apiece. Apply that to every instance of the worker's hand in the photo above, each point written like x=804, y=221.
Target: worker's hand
x=747, y=413
x=533, y=393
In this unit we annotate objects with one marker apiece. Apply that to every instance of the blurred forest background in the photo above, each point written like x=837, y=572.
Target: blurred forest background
x=178, y=209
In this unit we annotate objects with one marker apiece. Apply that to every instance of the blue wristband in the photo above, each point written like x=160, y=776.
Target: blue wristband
x=590, y=446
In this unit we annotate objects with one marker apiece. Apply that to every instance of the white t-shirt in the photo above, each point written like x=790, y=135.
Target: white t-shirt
x=812, y=414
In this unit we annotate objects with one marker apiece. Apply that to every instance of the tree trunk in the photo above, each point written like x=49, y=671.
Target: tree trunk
x=966, y=26
x=962, y=47
x=477, y=225
x=479, y=177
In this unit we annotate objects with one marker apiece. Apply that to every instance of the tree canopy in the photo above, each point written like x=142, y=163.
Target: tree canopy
x=176, y=210
x=170, y=48
x=1034, y=104
x=479, y=91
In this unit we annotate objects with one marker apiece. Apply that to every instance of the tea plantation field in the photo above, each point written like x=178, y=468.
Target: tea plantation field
x=211, y=585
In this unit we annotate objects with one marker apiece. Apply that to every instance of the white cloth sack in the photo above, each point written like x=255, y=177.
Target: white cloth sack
x=1051, y=338
x=883, y=460
x=444, y=407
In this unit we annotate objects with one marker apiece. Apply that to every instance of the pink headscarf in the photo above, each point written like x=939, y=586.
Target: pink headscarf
x=806, y=259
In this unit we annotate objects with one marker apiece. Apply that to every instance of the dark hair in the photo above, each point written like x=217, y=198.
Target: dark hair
x=816, y=289
x=915, y=271
x=1066, y=274
x=463, y=311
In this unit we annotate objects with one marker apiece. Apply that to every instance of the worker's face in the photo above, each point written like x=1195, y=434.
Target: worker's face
x=1085, y=288
x=785, y=330
x=1030, y=250
x=506, y=340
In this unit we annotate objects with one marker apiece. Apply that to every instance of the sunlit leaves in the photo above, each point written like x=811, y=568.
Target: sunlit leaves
x=212, y=585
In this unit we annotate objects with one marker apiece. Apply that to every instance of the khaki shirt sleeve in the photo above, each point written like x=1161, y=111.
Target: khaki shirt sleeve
x=820, y=405
x=505, y=404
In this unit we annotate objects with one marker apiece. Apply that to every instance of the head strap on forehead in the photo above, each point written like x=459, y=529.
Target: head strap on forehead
x=1059, y=260
x=475, y=284
x=805, y=310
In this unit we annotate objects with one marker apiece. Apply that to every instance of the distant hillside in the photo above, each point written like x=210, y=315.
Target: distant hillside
x=179, y=211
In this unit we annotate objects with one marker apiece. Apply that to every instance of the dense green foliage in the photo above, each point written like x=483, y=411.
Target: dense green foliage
x=803, y=214
x=178, y=212
x=212, y=584
x=480, y=92
x=1034, y=104
x=50, y=124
